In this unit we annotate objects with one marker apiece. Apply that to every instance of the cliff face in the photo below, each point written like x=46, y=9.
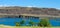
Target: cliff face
x=29, y=10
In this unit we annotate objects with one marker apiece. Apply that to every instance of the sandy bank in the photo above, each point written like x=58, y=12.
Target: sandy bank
x=5, y=26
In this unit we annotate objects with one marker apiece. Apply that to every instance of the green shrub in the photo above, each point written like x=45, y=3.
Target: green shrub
x=31, y=23
x=44, y=22
x=17, y=23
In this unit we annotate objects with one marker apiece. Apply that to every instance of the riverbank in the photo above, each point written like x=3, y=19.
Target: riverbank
x=28, y=15
x=5, y=26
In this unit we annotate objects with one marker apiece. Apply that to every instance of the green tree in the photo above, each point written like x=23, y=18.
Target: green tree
x=31, y=23
x=17, y=23
x=44, y=22
x=22, y=22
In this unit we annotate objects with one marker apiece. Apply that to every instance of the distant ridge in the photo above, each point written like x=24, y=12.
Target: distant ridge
x=29, y=10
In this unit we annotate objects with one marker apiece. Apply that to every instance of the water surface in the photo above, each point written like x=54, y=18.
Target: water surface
x=12, y=21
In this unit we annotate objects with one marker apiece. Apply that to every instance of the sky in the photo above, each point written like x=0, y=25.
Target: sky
x=30, y=3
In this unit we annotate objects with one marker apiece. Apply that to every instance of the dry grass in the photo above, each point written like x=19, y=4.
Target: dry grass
x=5, y=26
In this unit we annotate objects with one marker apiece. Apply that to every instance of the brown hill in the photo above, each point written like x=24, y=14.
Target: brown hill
x=29, y=10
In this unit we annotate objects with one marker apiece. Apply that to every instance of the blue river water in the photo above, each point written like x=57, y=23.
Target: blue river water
x=12, y=21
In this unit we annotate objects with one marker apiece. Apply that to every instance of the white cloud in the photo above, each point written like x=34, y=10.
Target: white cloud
x=31, y=6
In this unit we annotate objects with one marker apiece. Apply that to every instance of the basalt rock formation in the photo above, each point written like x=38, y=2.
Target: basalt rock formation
x=29, y=10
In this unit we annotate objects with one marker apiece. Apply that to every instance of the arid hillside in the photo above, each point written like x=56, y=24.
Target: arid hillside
x=29, y=10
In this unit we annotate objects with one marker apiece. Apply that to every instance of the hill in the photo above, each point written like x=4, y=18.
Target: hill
x=29, y=10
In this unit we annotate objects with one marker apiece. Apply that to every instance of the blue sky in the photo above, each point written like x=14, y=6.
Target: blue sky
x=29, y=3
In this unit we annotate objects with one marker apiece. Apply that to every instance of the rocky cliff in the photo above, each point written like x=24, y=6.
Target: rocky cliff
x=29, y=10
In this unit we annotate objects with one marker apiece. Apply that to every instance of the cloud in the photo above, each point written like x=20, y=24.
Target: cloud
x=31, y=6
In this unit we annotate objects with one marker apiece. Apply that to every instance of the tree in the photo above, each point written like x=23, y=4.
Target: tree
x=31, y=23
x=22, y=22
x=17, y=23
x=44, y=22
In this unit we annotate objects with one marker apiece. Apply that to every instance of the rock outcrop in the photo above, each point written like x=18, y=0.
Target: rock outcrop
x=29, y=10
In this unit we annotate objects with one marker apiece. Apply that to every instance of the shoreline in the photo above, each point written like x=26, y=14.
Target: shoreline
x=5, y=26
x=4, y=15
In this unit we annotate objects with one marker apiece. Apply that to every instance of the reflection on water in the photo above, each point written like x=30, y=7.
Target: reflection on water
x=11, y=21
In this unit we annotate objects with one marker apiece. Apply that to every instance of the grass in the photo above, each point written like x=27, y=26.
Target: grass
x=4, y=26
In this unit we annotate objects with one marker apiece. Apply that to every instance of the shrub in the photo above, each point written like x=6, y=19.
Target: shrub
x=44, y=22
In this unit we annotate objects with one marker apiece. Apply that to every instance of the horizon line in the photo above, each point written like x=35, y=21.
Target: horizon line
x=26, y=6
